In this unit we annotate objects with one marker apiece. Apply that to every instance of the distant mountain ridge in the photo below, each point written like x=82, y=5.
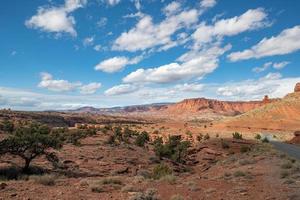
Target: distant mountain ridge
x=187, y=106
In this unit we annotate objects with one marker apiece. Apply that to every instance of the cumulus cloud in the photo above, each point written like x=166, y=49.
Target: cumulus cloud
x=59, y=85
x=56, y=19
x=281, y=65
x=112, y=2
x=250, y=20
x=192, y=65
x=90, y=88
x=272, y=84
x=116, y=64
x=56, y=85
x=147, y=35
x=189, y=87
x=278, y=65
x=208, y=3
x=88, y=41
x=172, y=8
x=288, y=41
x=97, y=47
x=121, y=89
x=263, y=68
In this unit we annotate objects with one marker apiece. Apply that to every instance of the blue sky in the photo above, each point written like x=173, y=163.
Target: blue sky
x=64, y=54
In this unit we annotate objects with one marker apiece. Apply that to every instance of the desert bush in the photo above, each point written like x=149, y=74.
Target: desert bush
x=239, y=174
x=244, y=149
x=206, y=136
x=265, y=140
x=149, y=194
x=7, y=126
x=171, y=179
x=199, y=137
x=287, y=165
x=217, y=135
x=161, y=170
x=47, y=179
x=111, y=181
x=142, y=138
x=29, y=143
x=237, y=135
x=284, y=174
x=174, y=148
x=224, y=144
x=257, y=137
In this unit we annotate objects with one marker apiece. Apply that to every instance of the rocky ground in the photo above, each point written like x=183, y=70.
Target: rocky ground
x=215, y=169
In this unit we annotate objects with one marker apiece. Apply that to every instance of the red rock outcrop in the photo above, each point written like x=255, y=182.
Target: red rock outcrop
x=221, y=107
x=297, y=87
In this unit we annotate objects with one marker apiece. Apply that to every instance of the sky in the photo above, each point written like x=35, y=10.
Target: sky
x=66, y=54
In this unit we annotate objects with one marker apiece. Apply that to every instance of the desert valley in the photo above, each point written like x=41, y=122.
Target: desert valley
x=149, y=100
x=193, y=149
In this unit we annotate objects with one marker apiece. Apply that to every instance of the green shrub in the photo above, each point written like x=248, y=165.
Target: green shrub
x=149, y=194
x=237, y=135
x=174, y=148
x=142, y=138
x=7, y=126
x=206, y=136
x=161, y=170
x=258, y=136
x=199, y=137
x=224, y=144
x=265, y=140
x=239, y=174
x=244, y=149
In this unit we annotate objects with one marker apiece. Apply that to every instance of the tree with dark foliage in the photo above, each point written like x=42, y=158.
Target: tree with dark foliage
x=29, y=143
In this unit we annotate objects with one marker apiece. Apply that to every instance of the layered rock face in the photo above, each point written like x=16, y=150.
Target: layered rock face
x=297, y=87
x=221, y=107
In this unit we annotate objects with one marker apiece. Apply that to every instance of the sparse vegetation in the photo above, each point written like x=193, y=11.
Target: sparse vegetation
x=257, y=137
x=142, y=138
x=149, y=194
x=174, y=148
x=48, y=180
x=161, y=170
x=206, y=136
x=237, y=135
x=224, y=144
x=244, y=149
x=29, y=143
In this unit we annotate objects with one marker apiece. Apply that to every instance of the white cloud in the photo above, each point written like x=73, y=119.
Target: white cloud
x=208, y=3
x=186, y=87
x=172, y=8
x=272, y=84
x=281, y=65
x=263, y=68
x=137, y=4
x=116, y=64
x=56, y=19
x=59, y=85
x=147, y=35
x=102, y=22
x=88, y=41
x=90, y=88
x=288, y=41
x=250, y=20
x=194, y=65
x=121, y=89
x=97, y=47
x=112, y=2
